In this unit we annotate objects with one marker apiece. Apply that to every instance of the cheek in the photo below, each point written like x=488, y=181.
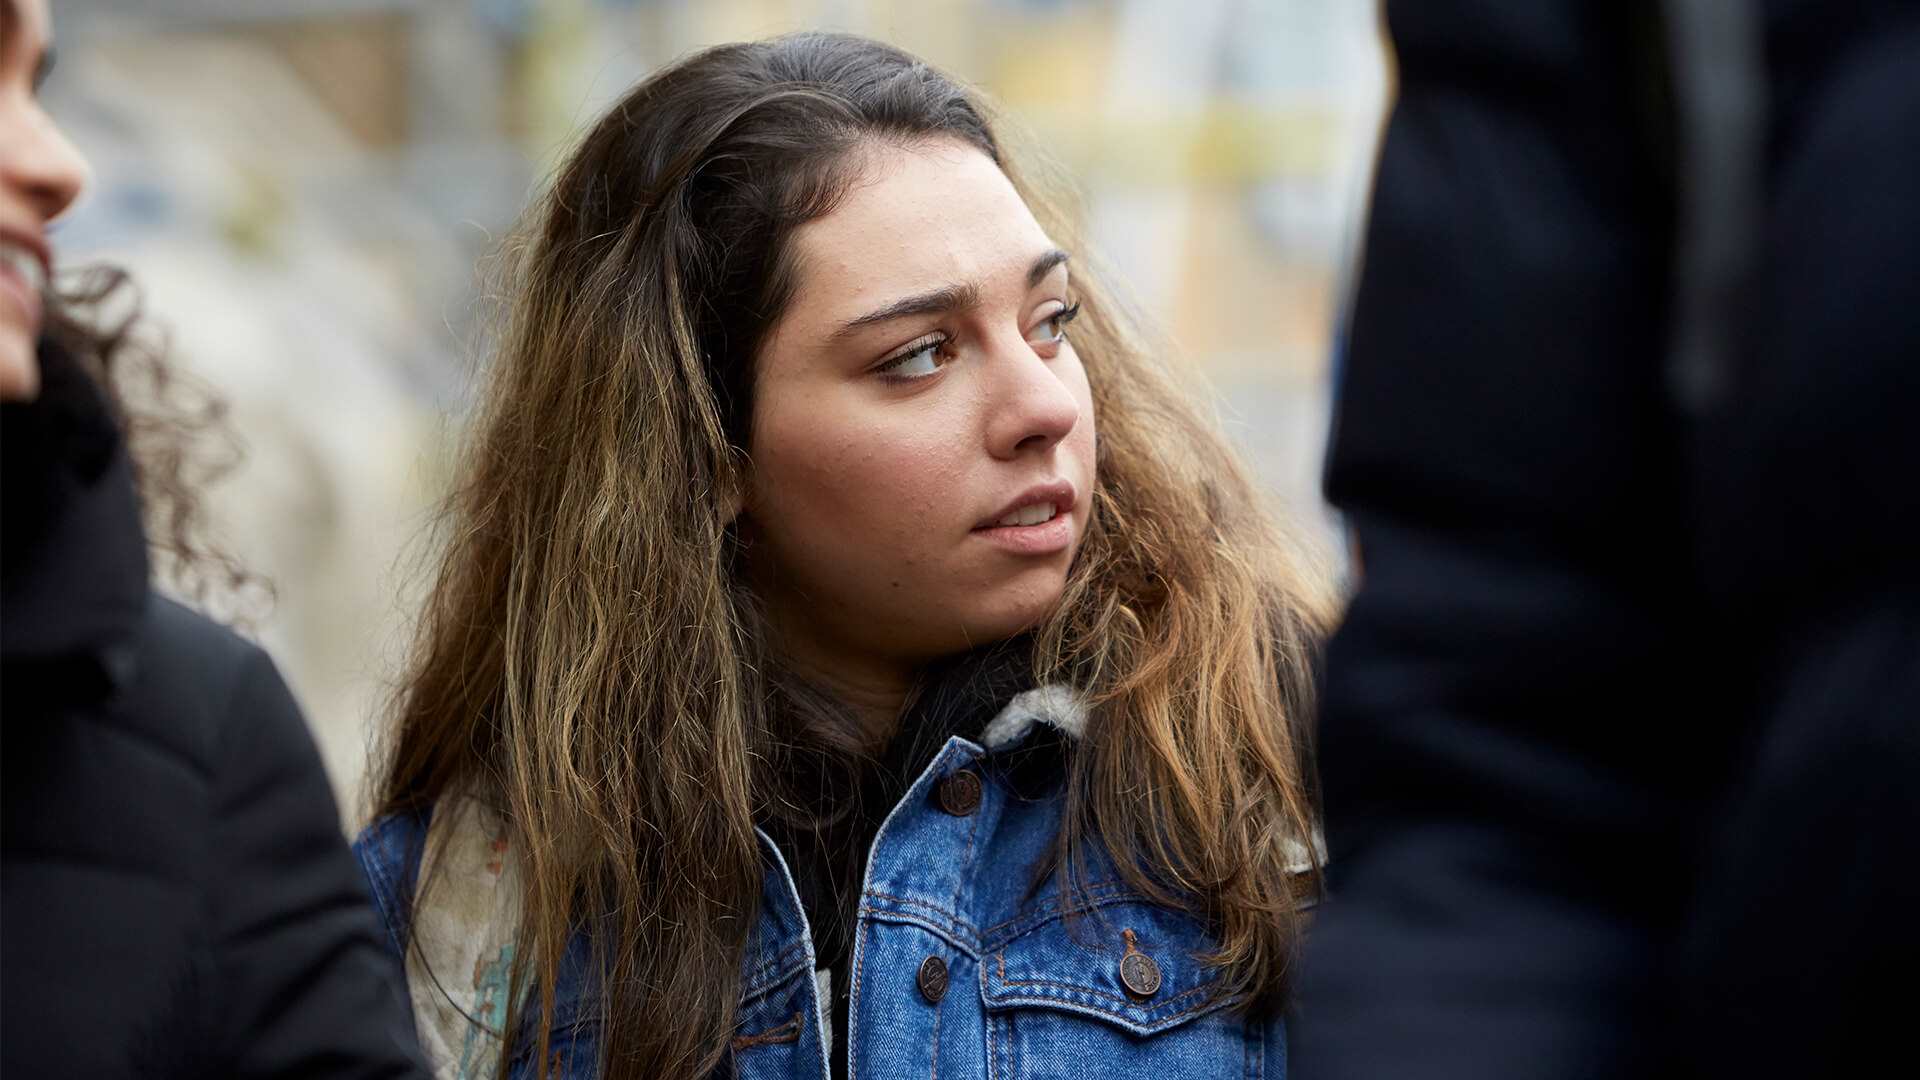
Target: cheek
x=853, y=496
x=1085, y=438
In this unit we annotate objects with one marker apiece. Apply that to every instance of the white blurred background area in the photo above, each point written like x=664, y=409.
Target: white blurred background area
x=304, y=190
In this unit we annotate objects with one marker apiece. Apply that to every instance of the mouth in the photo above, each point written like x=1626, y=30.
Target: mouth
x=1037, y=514
x=1037, y=524
x=1034, y=507
x=24, y=268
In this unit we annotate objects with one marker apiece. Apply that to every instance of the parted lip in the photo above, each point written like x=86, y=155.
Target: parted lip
x=1058, y=492
x=33, y=242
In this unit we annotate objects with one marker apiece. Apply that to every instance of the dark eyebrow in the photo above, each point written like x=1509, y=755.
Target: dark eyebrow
x=1044, y=265
x=948, y=298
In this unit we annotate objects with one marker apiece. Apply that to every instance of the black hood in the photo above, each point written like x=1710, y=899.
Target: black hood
x=74, y=587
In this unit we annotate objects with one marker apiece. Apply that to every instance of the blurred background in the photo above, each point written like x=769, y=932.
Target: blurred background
x=306, y=190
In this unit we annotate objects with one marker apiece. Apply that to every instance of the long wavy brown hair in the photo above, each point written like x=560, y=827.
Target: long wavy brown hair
x=590, y=663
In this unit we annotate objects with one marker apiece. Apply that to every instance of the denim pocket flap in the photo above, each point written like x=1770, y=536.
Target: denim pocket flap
x=1132, y=965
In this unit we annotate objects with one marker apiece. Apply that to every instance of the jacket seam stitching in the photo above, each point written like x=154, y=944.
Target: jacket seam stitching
x=1098, y=895
x=1043, y=983
x=966, y=945
x=771, y=973
x=958, y=921
x=1001, y=960
x=788, y=1032
x=1163, y=1021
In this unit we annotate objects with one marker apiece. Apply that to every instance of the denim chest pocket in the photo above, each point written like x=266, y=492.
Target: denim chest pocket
x=1113, y=991
x=573, y=1045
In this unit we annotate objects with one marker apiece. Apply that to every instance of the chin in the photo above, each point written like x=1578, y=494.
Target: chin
x=1013, y=612
x=19, y=367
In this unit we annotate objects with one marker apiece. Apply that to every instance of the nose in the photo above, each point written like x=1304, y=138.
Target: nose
x=1029, y=408
x=38, y=166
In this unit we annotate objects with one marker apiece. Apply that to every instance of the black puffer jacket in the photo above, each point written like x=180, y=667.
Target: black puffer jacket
x=1621, y=736
x=176, y=898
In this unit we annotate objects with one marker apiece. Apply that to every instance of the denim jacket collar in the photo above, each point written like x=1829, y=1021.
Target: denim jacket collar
x=780, y=942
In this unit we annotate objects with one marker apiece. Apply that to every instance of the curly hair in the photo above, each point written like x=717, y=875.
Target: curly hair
x=177, y=434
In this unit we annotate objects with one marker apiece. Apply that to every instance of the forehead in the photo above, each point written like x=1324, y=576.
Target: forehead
x=920, y=217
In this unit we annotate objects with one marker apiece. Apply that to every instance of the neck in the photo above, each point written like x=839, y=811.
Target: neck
x=872, y=685
x=873, y=689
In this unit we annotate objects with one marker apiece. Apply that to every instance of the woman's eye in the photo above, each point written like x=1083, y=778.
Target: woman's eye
x=918, y=363
x=1053, y=329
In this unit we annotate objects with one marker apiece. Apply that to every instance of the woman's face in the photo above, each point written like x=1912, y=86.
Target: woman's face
x=40, y=174
x=923, y=435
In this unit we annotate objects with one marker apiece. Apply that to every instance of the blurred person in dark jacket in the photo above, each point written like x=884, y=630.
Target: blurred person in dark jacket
x=1621, y=736
x=176, y=898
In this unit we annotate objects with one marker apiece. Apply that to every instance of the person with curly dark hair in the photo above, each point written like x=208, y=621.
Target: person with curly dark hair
x=178, y=898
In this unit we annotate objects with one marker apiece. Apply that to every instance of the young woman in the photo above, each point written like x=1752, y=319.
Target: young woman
x=179, y=900
x=852, y=653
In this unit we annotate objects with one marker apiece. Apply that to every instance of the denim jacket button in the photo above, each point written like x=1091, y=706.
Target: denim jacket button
x=959, y=793
x=933, y=979
x=1139, y=974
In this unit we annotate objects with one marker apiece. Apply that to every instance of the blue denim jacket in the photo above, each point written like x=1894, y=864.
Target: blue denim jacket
x=963, y=966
